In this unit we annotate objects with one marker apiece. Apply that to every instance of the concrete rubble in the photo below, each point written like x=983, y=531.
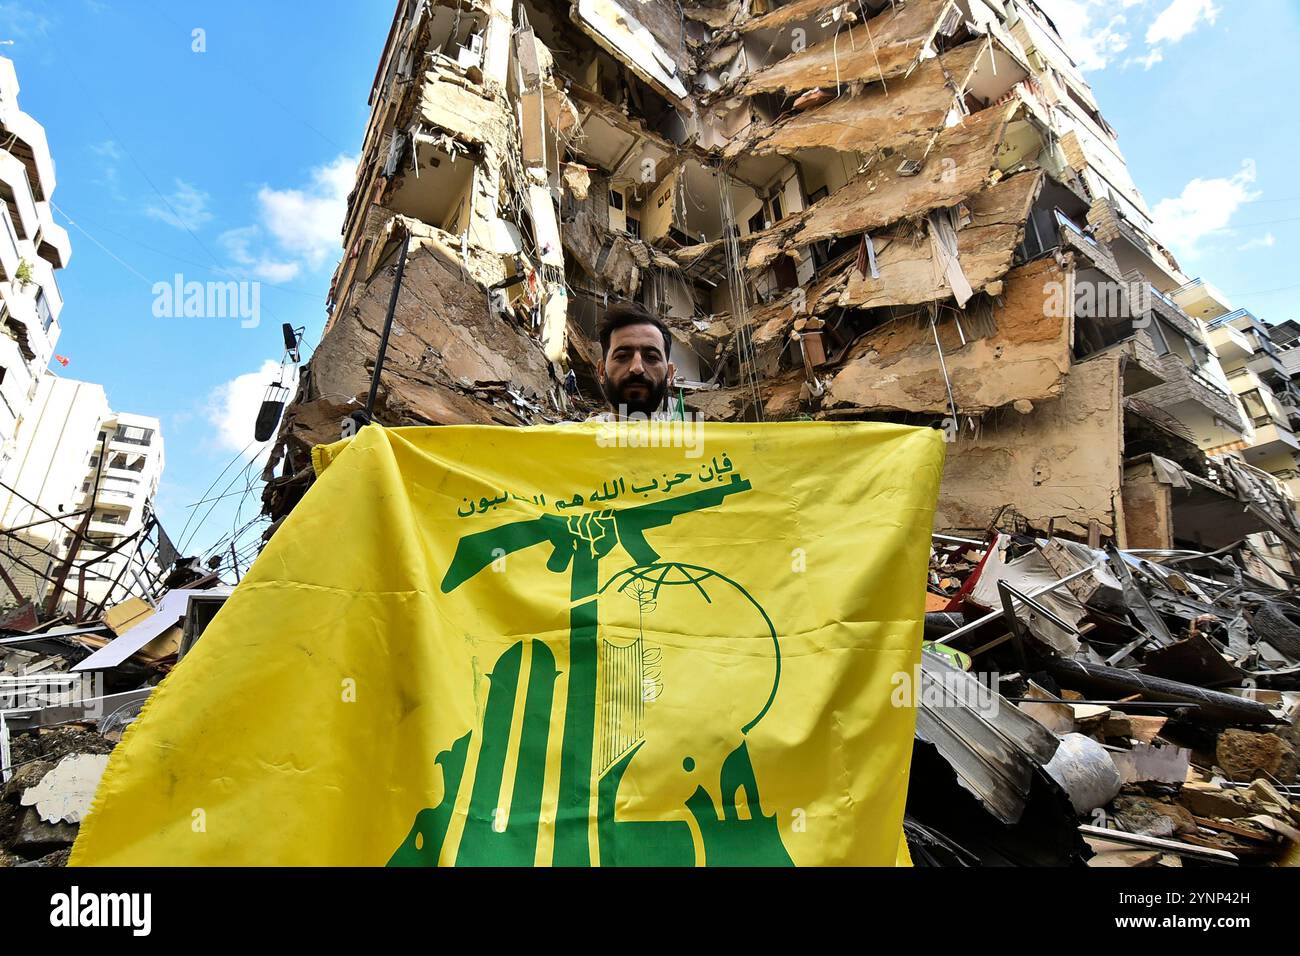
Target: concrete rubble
x=889, y=210
x=897, y=210
x=68, y=692
x=1166, y=715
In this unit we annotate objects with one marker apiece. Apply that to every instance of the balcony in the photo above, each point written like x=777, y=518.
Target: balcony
x=1200, y=299
x=55, y=246
x=1244, y=379
x=100, y=537
x=1269, y=366
x=129, y=445
x=16, y=191
x=1196, y=399
x=1291, y=406
x=22, y=317
x=1272, y=437
x=10, y=255
x=122, y=476
x=117, y=497
x=25, y=139
x=1231, y=345
x=1208, y=381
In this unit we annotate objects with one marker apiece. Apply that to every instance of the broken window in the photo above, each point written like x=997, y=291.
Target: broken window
x=1159, y=341
x=134, y=435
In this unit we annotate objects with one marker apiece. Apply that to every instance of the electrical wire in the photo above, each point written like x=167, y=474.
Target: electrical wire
x=207, y=490
x=111, y=254
x=169, y=255
x=213, y=506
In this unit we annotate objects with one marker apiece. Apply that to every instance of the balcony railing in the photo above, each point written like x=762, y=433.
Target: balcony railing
x=1262, y=420
x=1164, y=298
x=1209, y=383
x=1064, y=220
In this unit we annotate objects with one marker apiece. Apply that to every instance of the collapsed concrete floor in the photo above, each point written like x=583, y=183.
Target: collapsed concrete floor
x=903, y=211
x=888, y=210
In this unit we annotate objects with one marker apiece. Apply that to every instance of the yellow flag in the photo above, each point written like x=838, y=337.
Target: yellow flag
x=639, y=643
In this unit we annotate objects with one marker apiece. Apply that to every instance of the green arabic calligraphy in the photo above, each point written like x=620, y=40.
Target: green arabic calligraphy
x=609, y=490
x=578, y=542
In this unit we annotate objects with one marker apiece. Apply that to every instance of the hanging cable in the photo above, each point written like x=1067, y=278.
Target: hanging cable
x=745, y=350
x=943, y=365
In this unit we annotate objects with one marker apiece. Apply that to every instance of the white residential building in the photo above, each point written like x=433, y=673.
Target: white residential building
x=72, y=444
x=51, y=428
x=32, y=247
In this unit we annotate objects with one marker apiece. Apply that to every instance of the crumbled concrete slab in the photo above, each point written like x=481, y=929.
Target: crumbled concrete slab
x=64, y=794
x=1244, y=755
x=898, y=35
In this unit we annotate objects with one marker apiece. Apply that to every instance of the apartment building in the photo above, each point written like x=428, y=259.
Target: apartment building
x=60, y=500
x=94, y=470
x=905, y=211
x=1260, y=372
x=32, y=248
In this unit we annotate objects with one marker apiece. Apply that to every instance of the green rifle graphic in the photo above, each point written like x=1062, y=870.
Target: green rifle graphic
x=578, y=542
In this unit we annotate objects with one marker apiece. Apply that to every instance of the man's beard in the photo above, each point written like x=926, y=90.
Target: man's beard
x=646, y=404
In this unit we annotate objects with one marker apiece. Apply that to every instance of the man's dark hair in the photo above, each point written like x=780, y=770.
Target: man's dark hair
x=629, y=313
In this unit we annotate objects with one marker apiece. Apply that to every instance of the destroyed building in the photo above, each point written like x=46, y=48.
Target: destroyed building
x=910, y=211
x=906, y=211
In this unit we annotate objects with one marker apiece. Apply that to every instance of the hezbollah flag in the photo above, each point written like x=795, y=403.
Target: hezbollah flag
x=635, y=643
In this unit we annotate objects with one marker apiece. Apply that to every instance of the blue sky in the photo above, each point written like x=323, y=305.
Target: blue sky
x=1200, y=95
x=237, y=158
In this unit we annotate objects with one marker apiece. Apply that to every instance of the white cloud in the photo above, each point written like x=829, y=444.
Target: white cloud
x=110, y=155
x=22, y=23
x=1266, y=241
x=1146, y=62
x=1179, y=19
x=233, y=406
x=276, y=272
x=185, y=208
x=1205, y=206
x=1095, y=34
x=108, y=149
x=296, y=229
x=1092, y=34
x=308, y=222
x=238, y=245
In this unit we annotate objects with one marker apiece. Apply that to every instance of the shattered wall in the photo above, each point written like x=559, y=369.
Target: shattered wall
x=1059, y=467
x=876, y=210
x=1148, y=508
x=1016, y=355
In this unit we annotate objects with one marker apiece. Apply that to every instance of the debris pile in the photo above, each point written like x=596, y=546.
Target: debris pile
x=1123, y=707
x=67, y=694
x=909, y=211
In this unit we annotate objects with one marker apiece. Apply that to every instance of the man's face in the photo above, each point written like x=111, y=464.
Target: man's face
x=635, y=373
